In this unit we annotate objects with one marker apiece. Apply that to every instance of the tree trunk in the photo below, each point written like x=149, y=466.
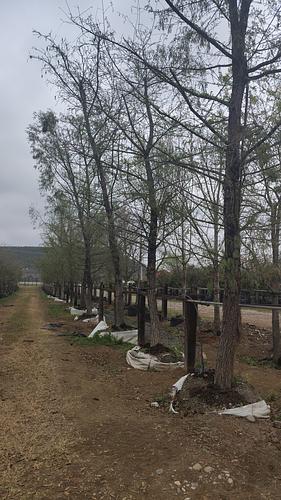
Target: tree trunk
x=276, y=331
x=153, y=312
x=88, y=277
x=232, y=201
x=275, y=241
x=216, y=288
x=216, y=276
x=151, y=278
x=140, y=276
x=119, y=304
x=62, y=291
x=112, y=237
x=82, y=303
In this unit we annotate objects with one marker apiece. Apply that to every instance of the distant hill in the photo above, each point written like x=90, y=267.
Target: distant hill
x=27, y=258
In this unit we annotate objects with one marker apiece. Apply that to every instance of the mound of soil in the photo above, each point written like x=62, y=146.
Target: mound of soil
x=163, y=353
x=132, y=310
x=177, y=320
x=199, y=395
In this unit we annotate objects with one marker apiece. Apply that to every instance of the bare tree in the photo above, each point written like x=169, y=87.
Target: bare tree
x=75, y=70
x=65, y=162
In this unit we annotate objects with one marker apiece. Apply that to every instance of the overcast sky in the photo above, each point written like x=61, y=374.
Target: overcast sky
x=23, y=91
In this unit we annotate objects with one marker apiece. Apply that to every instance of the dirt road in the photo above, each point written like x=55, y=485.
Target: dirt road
x=77, y=423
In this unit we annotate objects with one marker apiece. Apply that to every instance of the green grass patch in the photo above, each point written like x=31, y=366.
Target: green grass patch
x=98, y=340
x=249, y=360
x=271, y=396
x=57, y=311
x=9, y=298
x=162, y=399
x=238, y=380
x=18, y=322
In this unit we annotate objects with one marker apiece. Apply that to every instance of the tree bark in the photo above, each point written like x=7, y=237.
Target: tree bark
x=151, y=259
x=82, y=303
x=232, y=200
x=88, y=277
x=152, y=299
x=275, y=241
x=216, y=276
x=216, y=288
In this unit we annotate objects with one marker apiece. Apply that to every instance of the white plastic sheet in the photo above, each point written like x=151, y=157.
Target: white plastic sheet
x=145, y=361
x=258, y=410
x=58, y=300
x=77, y=312
x=130, y=336
x=94, y=320
x=101, y=327
x=177, y=387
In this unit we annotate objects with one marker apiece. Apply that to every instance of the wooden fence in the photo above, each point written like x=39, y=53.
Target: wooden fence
x=138, y=297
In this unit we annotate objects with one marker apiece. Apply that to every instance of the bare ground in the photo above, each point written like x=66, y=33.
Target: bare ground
x=76, y=423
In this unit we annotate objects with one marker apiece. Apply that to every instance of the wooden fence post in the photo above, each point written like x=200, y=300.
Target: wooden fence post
x=190, y=327
x=110, y=294
x=129, y=299
x=79, y=295
x=141, y=318
x=67, y=293
x=165, y=303
x=75, y=300
x=101, y=303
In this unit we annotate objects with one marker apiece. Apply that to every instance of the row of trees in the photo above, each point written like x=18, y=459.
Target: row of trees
x=168, y=144
x=9, y=274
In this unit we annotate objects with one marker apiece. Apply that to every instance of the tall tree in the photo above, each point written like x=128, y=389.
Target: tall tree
x=77, y=71
x=64, y=160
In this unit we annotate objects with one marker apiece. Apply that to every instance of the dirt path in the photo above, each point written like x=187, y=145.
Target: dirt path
x=76, y=423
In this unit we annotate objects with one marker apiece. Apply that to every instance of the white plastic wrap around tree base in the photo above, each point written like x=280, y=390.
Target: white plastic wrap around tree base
x=144, y=361
x=258, y=410
x=101, y=327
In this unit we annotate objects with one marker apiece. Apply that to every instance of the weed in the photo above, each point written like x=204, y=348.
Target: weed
x=161, y=399
x=177, y=351
x=256, y=362
x=6, y=300
x=249, y=360
x=238, y=380
x=98, y=340
x=57, y=311
x=271, y=396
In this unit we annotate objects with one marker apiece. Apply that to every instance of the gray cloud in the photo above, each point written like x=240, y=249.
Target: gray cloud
x=23, y=91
